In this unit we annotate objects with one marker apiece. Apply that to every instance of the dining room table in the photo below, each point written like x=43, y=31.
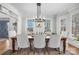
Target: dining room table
x=31, y=38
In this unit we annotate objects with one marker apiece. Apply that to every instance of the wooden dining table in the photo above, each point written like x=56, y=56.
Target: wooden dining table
x=31, y=41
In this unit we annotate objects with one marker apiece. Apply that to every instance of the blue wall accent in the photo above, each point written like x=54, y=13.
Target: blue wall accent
x=3, y=29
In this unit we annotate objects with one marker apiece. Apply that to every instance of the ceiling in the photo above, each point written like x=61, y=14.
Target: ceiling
x=47, y=9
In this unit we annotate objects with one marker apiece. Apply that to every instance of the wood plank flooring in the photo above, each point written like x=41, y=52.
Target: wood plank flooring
x=2, y=46
x=73, y=49
x=70, y=51
x=24, y=52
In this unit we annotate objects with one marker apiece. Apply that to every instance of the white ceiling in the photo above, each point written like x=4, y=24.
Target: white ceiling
x=47, y=9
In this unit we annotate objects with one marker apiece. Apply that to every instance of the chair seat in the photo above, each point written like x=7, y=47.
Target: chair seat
x=39, y=41
x=54, y=41
x=23, y=41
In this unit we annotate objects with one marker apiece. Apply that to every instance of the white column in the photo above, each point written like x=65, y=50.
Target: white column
x=19, y=26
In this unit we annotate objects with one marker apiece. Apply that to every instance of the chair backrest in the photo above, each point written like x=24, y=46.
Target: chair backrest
x=12, y=33
x=39, y=41
x=22, y=41
x=54, y=41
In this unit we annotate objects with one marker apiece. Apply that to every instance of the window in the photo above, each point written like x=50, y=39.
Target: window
x=75, y=25
x=47, y=25
x=63, y=25
x=30, y=24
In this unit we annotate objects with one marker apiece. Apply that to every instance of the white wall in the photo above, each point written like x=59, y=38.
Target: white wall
x=53, y=24
x=23, y=25
x=12, y=20
x=10, y=7
x=58, y=29
x=19, y=26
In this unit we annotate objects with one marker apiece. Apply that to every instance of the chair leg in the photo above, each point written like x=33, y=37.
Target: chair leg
x=59, y=51
x=38, y=51
x=48, y=50
x=28, y=51
x=44, y=51
x=19, y=51
x=34, y=51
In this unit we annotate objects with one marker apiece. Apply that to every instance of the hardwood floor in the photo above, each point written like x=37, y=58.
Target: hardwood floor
x=24, y=52
x=73, y=49
x=70, y=51
x=2, y=46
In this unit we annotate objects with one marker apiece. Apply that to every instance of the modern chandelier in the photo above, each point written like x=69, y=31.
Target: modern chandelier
x=39, y=12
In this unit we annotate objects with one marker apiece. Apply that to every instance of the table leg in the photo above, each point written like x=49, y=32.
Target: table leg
x=13, y=44
x=64, y=46
x=31, y=43
x=47, y=40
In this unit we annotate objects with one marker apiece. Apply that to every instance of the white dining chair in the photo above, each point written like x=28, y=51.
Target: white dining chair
x=54, y=42
x=23, y=42
x=39, y=43
x=12, y=33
